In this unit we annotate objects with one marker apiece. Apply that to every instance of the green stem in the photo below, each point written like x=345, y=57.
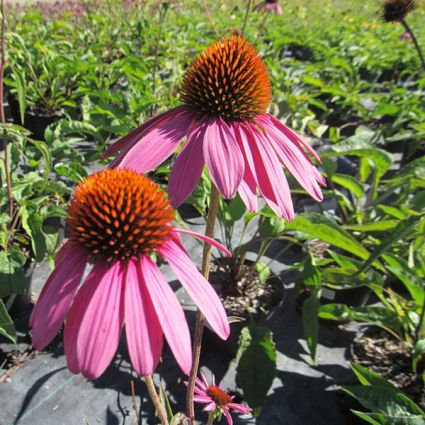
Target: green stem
x=211, y=418
x=245, y=21
x=159, y=409
x=200, y=319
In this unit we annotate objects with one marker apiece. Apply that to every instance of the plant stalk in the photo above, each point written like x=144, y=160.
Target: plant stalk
x=159, y=409
x=245, y=20
x=415, y=41
x=200, y=319
x=2, y=116
x=211, y=418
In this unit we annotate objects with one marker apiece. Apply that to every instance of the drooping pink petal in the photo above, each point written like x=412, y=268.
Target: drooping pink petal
x=158, y=144
x=63, y=252
x=56, y=297
x=223, y=157
x=247, y=191
x=291, y=135
x=240, y=408
x=271, y=178
x=294, y=160
x=95, y=320
x=169, y=312
x=197, y=287
x=228, y=416
x=136, y=135
x=204, y=238
x=142, y=327
x=187, y=167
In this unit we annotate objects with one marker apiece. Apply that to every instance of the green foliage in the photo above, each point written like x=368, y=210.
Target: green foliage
x=256, y=368
x=388, y=404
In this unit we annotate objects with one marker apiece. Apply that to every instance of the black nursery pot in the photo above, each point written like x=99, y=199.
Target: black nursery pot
x=36, y=123
x=211, y=342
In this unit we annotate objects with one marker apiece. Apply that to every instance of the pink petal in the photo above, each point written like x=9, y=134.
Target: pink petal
x=294, y=160
x=228, y=416
x=202, y=399
x=204, y=238
x=136, y=135
x=169, y=312
x=223, y=157
x=271, y=179
x=57, y=295
x=197, y=287
x=158, y=144
x=212, y=406
x=247, y=191
x=187, y=168
x=240, y=408
x=291, y=135
x=94, y=323
x=142, y=327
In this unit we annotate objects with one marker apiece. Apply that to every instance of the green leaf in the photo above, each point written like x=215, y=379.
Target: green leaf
x=256, y=368
x=418, y=354
x=233, y=211
x=263, y=271
x=21, y=91
x=45, y=151
x=318, y=226
x=311, y=322
x=32, y=223
x=377, y=226
x=166, y=403
x=400, y=231
x=354, y=146
x=7, y=327
x=379, y=316
x=350, y=183
x=12, y=276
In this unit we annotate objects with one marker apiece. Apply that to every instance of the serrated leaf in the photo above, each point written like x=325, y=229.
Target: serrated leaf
x=7, y=328
x=256, y=368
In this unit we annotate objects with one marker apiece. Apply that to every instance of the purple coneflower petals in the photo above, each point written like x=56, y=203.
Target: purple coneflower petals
x=197, y=287
x=142, y=327
x=95, y=320
x=187, y=168
x=170, y=313
x=158, y=144
x=56, y=297
x=223, y=157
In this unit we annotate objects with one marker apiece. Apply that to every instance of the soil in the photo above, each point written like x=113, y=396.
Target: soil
x=244, y=294
x=377, y=350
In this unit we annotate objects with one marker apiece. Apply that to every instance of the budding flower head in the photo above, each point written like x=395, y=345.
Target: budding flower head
x=397, y=10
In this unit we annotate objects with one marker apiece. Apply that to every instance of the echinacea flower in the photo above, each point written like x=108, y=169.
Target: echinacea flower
x=215, y=398
x=397, y=10
x=117, y=220
x=270, y=6
x=225, y=93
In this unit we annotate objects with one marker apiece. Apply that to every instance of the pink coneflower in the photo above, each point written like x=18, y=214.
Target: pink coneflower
x=215, y=398
x=119, y=219
x=226, y=93
x=270, y=6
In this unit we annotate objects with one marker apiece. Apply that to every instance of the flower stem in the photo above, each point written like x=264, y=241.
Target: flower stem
x=211, y=20
x=159, y=409
x=415, y=42
x=245, y=21
x=211, y=418
x=200, y=319
x=2, y=116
